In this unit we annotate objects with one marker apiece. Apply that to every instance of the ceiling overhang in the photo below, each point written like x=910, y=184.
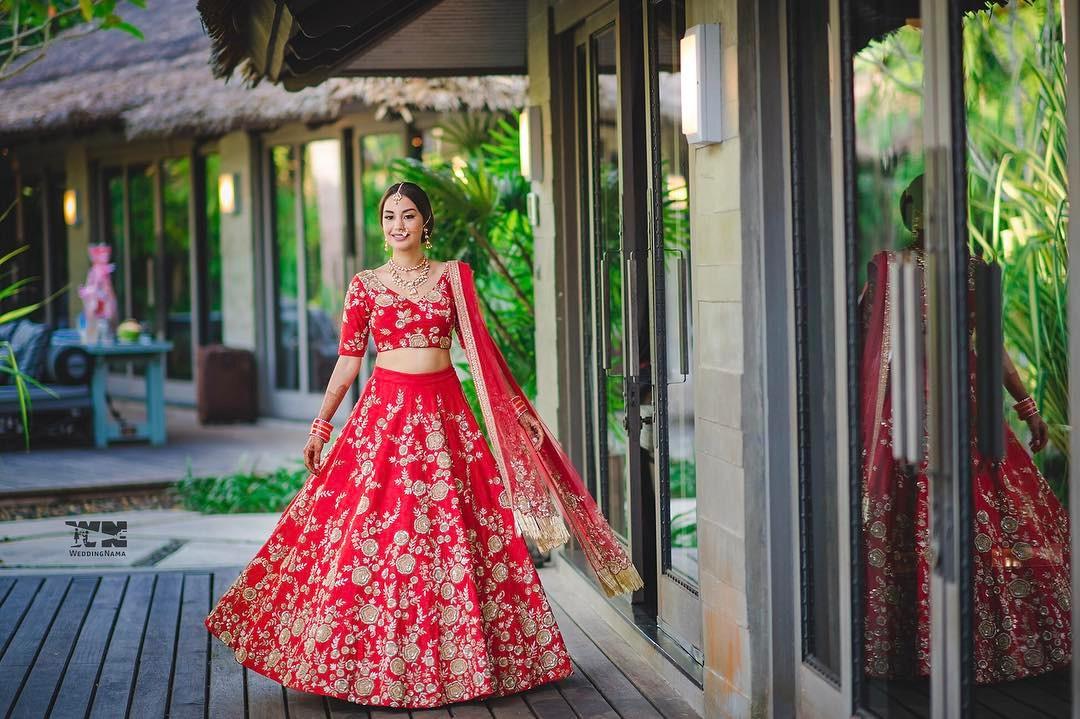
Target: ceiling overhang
x=300, y=43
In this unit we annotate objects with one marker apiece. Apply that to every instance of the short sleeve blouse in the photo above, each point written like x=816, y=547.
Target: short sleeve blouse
x=355, y=317
x=374, y=310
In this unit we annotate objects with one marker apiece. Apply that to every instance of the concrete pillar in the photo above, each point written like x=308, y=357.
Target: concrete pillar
x=239, y=247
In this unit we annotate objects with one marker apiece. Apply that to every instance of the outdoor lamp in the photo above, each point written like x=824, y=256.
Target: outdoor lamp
x=72, y=209
x=228, y=200
x=701, y=84
x=531, y=147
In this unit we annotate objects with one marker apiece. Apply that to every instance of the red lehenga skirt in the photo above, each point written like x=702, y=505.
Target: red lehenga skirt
x=394, y=577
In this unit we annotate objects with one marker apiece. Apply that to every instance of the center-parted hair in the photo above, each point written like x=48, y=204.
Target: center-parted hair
x=415, y=193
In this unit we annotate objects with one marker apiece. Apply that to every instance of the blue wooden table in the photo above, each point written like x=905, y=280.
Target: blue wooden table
x=153, y=353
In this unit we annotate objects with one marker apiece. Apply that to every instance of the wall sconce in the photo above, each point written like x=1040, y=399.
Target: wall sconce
x=530, y=131
x=702, y=84
x=72, y=208
x=228, y=200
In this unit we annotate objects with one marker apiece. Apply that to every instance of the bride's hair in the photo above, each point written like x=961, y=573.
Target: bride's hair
x=415, y=193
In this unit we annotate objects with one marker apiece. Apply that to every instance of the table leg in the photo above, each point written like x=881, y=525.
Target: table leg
x=155, y=398
x=101, y=409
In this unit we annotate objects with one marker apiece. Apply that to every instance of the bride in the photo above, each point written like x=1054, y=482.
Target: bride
x=398, y=575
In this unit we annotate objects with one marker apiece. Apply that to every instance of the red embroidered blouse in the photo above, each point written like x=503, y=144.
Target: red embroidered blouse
x=392, y=319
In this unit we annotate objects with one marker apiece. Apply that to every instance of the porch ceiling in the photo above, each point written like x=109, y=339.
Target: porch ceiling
x=300, y=43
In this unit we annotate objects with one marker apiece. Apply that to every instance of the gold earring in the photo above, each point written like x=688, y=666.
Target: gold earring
x=427, y=238
x=386, y=246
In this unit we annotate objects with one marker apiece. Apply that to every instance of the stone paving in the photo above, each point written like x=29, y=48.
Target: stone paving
x=212, y=450
x=163, y=539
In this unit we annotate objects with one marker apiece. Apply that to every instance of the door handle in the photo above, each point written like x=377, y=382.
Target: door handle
x=989, y=362
x=906, y=367
x=605, y=312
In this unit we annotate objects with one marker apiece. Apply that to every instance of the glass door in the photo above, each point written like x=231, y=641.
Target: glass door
x=669, y=407
x=1009, y=89
x=307, y=270
x=610, y=364
x=602, y=269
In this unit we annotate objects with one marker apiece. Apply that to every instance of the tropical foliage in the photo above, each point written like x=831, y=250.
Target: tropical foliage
x=479, y=199
x=1018, y=200
x=29, y=27
x=1014, y=75
x=8, y=363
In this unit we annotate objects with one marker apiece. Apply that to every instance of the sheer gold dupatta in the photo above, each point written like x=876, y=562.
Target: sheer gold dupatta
x=534, y=473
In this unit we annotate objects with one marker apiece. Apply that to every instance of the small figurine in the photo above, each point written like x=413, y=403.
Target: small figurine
x=99, y=299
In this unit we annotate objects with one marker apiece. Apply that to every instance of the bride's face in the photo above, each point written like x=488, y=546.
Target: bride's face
x=402, y=223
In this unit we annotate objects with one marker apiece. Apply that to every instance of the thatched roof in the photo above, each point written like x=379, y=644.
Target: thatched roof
x=164, y=86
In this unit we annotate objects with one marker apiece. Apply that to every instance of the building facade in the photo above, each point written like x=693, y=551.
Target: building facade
x=705, y=305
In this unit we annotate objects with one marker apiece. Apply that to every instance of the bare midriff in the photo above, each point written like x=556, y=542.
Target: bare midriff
x=414, y=359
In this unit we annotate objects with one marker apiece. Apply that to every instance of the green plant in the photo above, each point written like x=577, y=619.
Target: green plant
x=1018, y=200
x=28, y=27
x=241, y=491
x=478, y=196
x=8, y=363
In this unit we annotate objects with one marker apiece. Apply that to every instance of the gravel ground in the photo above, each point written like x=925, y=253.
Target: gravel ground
x=38, y=508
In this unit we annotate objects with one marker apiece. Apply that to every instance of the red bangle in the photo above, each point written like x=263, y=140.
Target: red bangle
x=520, y=405
x=1026, y=408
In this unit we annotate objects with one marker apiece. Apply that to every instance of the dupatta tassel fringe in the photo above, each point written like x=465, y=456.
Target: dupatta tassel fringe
x=620, y=582
x=546, y=532
x=534, y=470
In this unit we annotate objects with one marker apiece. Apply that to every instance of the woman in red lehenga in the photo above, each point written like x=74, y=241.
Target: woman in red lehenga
x=398, y=576
x=1021, y=534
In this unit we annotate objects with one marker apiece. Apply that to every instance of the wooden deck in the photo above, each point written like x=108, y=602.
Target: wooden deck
x=1042, y=697
x=133, y=644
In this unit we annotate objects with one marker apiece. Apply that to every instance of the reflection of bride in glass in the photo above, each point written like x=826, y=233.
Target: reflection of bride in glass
x=1020, y=568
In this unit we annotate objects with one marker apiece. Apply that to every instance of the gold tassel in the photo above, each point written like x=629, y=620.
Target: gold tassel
x=621, y=582
x=547, y=532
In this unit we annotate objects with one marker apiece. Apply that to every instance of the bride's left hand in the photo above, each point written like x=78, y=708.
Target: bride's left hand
x=1040, y=433
x=532, y=426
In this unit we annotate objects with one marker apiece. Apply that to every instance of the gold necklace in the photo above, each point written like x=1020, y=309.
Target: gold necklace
x=410, y=285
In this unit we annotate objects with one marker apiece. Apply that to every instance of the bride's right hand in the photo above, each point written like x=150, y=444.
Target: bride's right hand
x=313, y=454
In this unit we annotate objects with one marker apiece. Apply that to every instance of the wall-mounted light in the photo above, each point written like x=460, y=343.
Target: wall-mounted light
x=701, y=84
x=72, y=208
x=530, y=133
x=227, y=187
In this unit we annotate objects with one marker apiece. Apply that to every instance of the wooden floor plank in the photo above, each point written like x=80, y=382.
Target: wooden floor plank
x=992, y=703
x=470, y=710
x=16, y=603
x=341, y=709
x=88, y=657
x=439, y=713
x=637, y=670
x=510, y=707
x=616, y=689
x=226, y=674
x=23, y=649
x=56, y=647
x=385, y=713
x=584, y=697
x=6, y=585
x=117, y=678
x=265, y=697
x=189, y=684
x=303, y=705
x=547, y=703
x=151, y=694
x=883, y=704
x=1048, y=694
